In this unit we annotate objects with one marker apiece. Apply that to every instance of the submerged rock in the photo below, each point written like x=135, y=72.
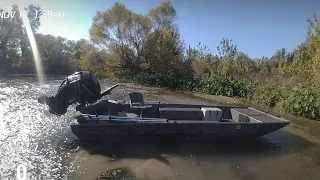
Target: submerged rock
x=122, y=173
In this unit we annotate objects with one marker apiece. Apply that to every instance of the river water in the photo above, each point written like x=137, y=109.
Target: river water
x=45, y=145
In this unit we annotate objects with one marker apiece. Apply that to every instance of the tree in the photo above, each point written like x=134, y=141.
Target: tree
x=8, y=40
x=34, y=16
x=163, y=17
x=314, y=47
x=163, y=48
x=141, y=42
x=57, y=53
x=88, y=55
x=122, y=32
x=14, y=44
x=226, y=49
x=166, y=56
x=244, y=66
x=199, y=58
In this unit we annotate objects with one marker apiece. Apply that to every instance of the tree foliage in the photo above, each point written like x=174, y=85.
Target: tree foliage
x=149, y=43
x=14, y=43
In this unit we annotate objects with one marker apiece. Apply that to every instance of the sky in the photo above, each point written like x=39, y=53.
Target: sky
x=257, y=27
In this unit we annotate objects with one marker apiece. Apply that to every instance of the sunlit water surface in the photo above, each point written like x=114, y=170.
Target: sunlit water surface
x=44, y=143
x=29, y=135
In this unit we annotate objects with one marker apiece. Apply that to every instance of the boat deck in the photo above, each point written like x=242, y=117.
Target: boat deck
x=257, y=115
x=185, y=114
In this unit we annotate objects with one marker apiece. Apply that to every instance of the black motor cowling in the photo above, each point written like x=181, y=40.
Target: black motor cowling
x=81, y=87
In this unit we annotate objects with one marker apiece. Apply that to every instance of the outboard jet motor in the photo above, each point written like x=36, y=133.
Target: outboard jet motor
x=81, y=87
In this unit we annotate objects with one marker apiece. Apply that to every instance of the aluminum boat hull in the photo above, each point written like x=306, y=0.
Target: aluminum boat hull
x=99, y=127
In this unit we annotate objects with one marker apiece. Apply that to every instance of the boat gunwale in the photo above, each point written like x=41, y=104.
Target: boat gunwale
x=92, y=122
x=141, y=120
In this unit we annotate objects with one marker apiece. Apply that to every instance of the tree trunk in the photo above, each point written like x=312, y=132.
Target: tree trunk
x=3, y=70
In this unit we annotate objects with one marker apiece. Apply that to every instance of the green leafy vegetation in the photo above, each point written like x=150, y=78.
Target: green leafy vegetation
x=268, y=95
x=301, y=101
x=148, y=49
x=160, y=80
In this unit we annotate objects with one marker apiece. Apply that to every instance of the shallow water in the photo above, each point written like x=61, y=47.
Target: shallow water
x=44, y=143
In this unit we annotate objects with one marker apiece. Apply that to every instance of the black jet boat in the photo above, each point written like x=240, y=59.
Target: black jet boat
x=102, y=119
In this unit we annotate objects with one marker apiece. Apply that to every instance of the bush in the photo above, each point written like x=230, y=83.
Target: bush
x=160, y=80
x=301, y=101
x=217, y=85
x=192, y=84
x=102, y=74
x=226, y=86
x=267, y=95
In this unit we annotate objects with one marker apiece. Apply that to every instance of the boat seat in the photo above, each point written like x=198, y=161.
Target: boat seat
x=137, y=102
x=175, y=113
x=136, y=99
